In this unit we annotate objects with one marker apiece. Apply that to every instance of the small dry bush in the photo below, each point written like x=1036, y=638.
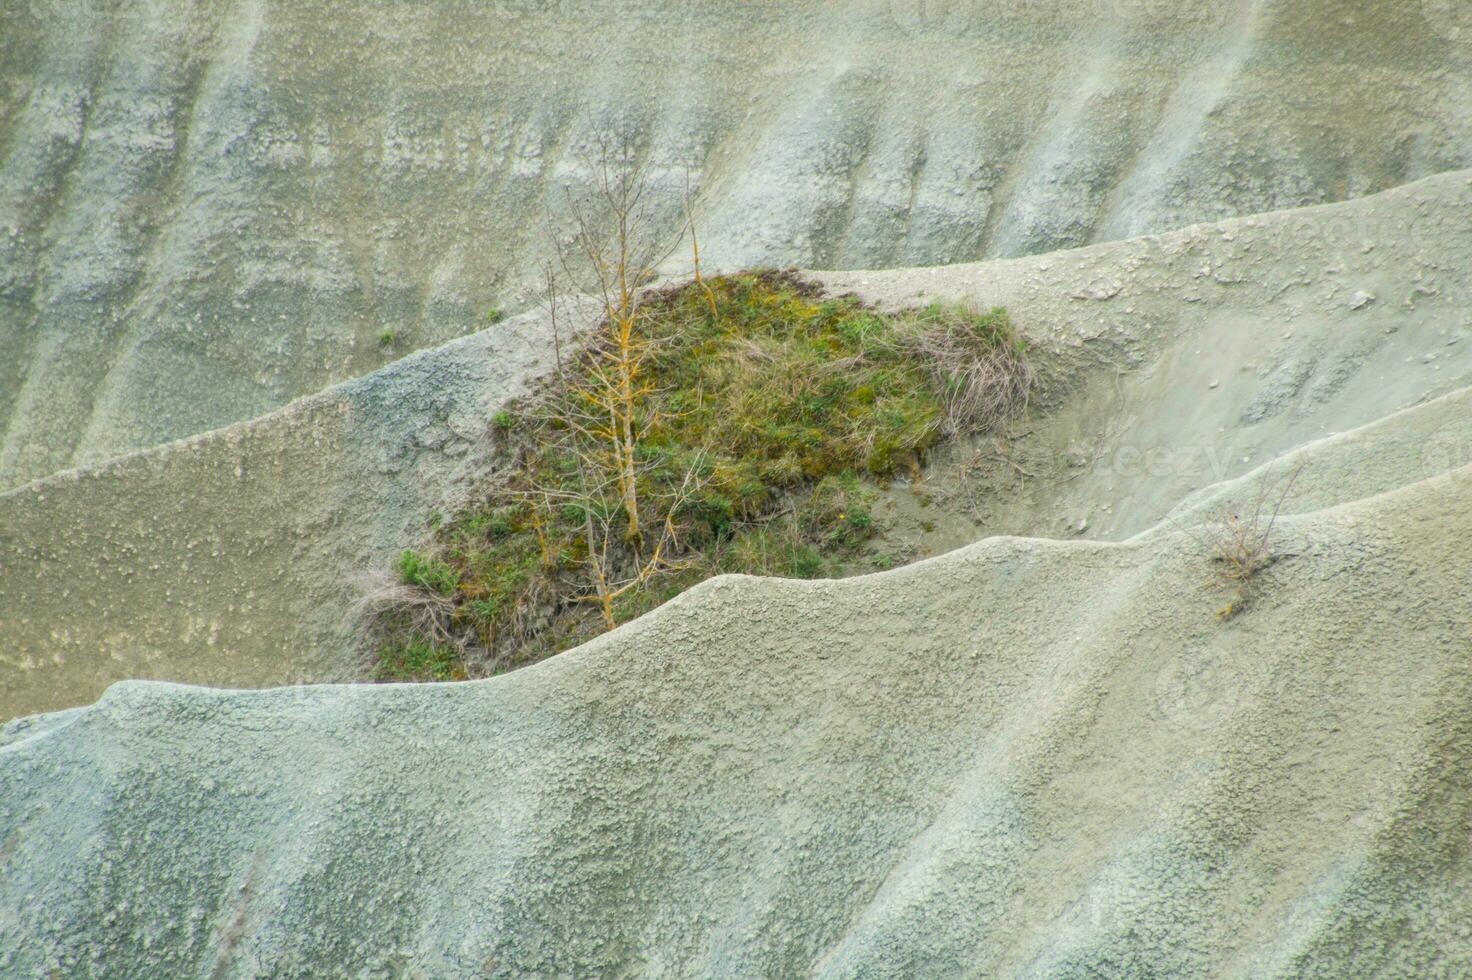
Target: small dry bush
x=1240, y=543
x=423, y=611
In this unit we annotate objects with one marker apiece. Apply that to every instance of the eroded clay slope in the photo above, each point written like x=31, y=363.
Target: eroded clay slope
x=231, y=557
x=1026, y=758
x=1196, y=356
x=208, y=210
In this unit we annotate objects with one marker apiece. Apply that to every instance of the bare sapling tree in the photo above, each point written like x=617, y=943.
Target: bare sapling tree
x=602, y=408
x=710, y=294
x=615, y=568
x=620, y=254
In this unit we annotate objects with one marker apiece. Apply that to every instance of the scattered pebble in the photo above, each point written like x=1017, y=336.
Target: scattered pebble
x=1361, y=300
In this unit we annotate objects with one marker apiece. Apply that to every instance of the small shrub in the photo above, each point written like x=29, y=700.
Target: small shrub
x=804, y=562
x=418, y=660
x=400, y=612
x=503, y=421
x=1241, y=544
x=387, y=338
x=976, y=358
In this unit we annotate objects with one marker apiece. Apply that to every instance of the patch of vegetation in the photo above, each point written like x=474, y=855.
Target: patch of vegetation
x=387, y=338
x=1240, y=542
x=736, y=424
x=419, y=660
x=427, y=572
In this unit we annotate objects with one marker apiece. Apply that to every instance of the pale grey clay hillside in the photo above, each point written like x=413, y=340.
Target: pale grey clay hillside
x=208, y=210
x=250, y=258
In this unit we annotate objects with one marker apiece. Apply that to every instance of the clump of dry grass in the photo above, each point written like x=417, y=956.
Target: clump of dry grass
x=977, y=361
x=1240, y=541
x=384, y=596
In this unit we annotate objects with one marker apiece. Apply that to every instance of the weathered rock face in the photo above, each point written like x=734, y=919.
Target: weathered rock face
x=209, y=210
x=231, y=557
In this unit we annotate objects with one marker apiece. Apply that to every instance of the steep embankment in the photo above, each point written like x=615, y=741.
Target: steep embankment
x=1026, y=758
x=1200, y=354
x=209, y=210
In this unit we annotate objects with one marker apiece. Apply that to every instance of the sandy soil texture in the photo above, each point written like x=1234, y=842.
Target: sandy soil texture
x=248, y=251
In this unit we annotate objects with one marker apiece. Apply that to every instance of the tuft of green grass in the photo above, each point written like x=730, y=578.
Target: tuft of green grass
x=427, y=572
x=792, y=409
x=418, y=660
x=387, y=338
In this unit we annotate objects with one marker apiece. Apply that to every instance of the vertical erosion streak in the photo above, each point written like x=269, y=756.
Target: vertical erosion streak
x=33, y=182
x=99, y=240
x=1140, y=202
x=164, y=208
x=38, y=178
x=129, y=404
x=1029, y=191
